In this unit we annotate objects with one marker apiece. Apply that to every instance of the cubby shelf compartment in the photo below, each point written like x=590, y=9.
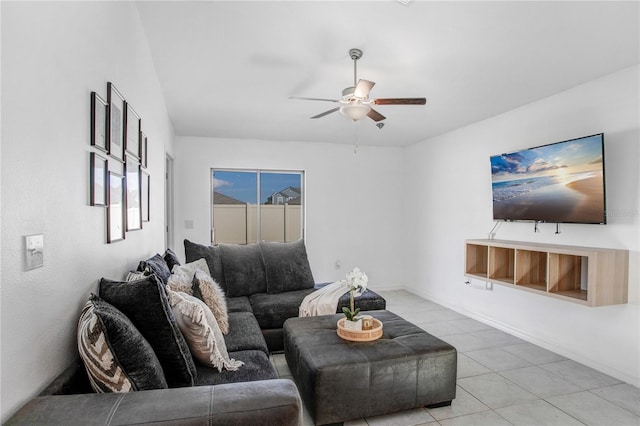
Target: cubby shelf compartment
x=585, y=275
x=476, y=260
x=501, y=264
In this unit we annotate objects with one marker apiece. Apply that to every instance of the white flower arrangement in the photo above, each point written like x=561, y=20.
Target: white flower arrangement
x=357, y=282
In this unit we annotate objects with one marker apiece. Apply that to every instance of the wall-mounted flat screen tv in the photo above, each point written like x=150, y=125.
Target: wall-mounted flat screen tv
x=562, y=182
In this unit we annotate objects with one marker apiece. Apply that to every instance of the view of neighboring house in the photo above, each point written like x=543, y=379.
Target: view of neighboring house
x=288, y=195
x=220, y=198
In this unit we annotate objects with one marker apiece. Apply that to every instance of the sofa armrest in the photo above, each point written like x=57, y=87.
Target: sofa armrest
x=265, y=402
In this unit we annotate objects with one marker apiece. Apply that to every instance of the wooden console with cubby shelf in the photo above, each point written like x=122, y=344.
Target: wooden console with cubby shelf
x=586, y=275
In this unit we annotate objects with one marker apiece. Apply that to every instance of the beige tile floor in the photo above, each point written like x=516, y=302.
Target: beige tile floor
x=503, y=380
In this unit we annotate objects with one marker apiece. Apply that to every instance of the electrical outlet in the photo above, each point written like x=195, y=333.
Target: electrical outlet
x=34, y=251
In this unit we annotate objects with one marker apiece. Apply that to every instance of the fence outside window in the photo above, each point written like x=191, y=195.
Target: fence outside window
x=238, y=219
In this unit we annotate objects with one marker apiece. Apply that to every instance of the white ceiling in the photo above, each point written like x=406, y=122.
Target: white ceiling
x=227, y=68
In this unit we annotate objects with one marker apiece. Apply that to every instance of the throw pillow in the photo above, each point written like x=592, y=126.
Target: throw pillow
x=201, y=330
x=195, y=251
x=180, y=281
x=171, y=258
x=286, y=266
x=156, y=265
x=135, y=275
x=116, y=356
x=243, y=269
x=191, y=268
x=207, y=290
x=145, y=303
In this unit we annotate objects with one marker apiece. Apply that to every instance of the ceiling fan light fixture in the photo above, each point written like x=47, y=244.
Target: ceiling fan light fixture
x=355, y=112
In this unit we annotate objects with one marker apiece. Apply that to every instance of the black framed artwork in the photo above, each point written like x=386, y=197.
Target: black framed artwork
x=97, y=180
x=132, y=123
x=133, y=194
x=115, y=208
x=146, y=195
x=143, y=150
x=98, y=122
x=115, y=128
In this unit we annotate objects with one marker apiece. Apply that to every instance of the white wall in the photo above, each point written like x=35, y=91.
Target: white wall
x=354, y=205
x=53, y=56
x=448, y=193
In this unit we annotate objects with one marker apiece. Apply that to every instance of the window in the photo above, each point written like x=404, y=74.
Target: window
x=256, y=205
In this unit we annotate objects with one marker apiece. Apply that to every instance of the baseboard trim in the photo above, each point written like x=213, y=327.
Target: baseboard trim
x=566, y=352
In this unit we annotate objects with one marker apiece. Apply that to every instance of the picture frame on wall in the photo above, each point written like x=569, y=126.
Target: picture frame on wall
x=132, y=131
x=115, y=128
x=115, y=208
x=143, y=150
x=99, y=114
x=98, y=168
x=133, y=194
x=146, y=195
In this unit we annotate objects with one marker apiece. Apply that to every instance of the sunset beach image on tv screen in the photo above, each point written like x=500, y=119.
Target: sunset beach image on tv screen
x=559, y=183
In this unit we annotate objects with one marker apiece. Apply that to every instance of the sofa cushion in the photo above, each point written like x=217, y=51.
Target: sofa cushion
x=244, y=333
x=211, y=255
x=145, y=303
x=286, y=266
x=243, y=269
x=157, y=265
x=116, y=356
x=271, y=310
x=238, y=304
x=171, y=258
x=201, y=331
x=207, y=290
x=256, y=367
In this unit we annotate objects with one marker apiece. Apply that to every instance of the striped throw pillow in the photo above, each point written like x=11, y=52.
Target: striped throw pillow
x=116, y=356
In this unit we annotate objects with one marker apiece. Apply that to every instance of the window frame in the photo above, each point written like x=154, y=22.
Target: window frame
x=258, y=172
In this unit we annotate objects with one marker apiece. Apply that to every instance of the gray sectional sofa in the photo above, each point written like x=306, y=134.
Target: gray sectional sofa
x=268, y=280
x=264, y=284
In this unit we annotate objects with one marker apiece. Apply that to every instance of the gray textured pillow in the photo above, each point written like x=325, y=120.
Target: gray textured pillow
x=243, y=269
x=286, y=266
x=180, y=281
x=157, y=265
x=181, y=278
x=116, y=356
x=171, y=258
x=145, y=303
x=211, y=255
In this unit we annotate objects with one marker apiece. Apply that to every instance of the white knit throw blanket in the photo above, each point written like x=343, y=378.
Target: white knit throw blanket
x=323, y=301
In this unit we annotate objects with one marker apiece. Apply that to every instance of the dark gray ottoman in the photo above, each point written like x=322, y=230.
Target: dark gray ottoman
x=340, y=380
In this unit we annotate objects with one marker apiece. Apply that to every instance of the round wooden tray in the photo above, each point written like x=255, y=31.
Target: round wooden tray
x=360, y=336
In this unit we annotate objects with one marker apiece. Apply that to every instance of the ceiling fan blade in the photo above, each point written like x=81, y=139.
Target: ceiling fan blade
x=363, y=88
x=322, y=114
x=313, y=99
x=400, y=101
x=375, y=115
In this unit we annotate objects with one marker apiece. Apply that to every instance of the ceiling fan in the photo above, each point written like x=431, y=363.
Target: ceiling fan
x=355, y=99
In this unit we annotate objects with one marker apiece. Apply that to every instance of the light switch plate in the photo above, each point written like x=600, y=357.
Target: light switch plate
x=34, y=251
